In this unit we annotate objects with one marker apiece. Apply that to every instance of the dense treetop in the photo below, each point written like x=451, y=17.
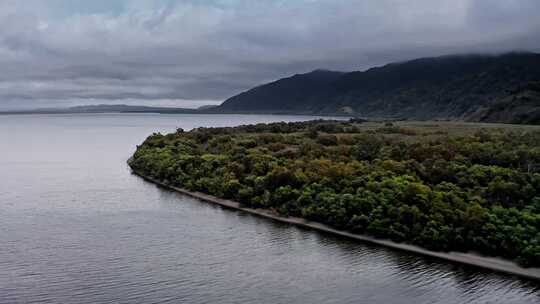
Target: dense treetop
x=437, y=185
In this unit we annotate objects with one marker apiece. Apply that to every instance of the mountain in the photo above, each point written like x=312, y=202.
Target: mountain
x=465, y=87
x=299, y=93
x=520, y=106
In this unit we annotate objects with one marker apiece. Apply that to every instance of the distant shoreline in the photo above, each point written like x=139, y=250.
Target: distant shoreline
x=495, y=264
x=129, y=109
x=171, y=111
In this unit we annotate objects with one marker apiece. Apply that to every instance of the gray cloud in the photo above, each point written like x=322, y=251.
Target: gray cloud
x=55, y=53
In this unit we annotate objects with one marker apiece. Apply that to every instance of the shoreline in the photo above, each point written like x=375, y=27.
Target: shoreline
x=490, y=263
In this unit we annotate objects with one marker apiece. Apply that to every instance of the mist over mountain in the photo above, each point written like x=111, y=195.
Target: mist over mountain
x=495, y=88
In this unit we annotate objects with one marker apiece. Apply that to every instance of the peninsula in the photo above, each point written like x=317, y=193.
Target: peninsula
x=440, y=189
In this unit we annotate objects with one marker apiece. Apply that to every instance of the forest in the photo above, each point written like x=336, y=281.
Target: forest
x=440, y=186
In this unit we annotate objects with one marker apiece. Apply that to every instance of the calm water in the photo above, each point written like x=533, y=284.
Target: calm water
x=77, y=227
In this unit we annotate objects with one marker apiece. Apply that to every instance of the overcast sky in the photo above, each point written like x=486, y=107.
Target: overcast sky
x=188, y=53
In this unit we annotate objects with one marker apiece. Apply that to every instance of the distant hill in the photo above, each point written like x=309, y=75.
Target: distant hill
x=301, y=93
x=520, y=106
x=464, y=87
x=206, y=107
x=122, y=108
x=102, y=108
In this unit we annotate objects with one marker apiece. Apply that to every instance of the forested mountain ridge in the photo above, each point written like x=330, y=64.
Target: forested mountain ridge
x=448, y=87
x=299, y=93
x=520, y=106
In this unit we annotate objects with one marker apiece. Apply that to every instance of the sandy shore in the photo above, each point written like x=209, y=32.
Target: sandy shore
x=490, y=263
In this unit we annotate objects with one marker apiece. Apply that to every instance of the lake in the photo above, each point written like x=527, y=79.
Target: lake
x=77, y=227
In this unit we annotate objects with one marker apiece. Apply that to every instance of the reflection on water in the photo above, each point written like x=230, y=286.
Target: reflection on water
x=77, y=227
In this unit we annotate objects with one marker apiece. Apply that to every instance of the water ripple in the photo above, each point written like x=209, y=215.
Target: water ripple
x=76, y=227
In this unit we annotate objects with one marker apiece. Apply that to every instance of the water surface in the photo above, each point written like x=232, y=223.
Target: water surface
x=77, y=227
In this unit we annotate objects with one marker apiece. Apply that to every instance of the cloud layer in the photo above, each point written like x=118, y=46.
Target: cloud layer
x=184, y=53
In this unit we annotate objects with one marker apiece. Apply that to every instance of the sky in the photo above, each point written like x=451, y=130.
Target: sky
x=59, y=53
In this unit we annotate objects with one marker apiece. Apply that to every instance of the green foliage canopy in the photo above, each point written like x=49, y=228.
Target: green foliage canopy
x=478, y=192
